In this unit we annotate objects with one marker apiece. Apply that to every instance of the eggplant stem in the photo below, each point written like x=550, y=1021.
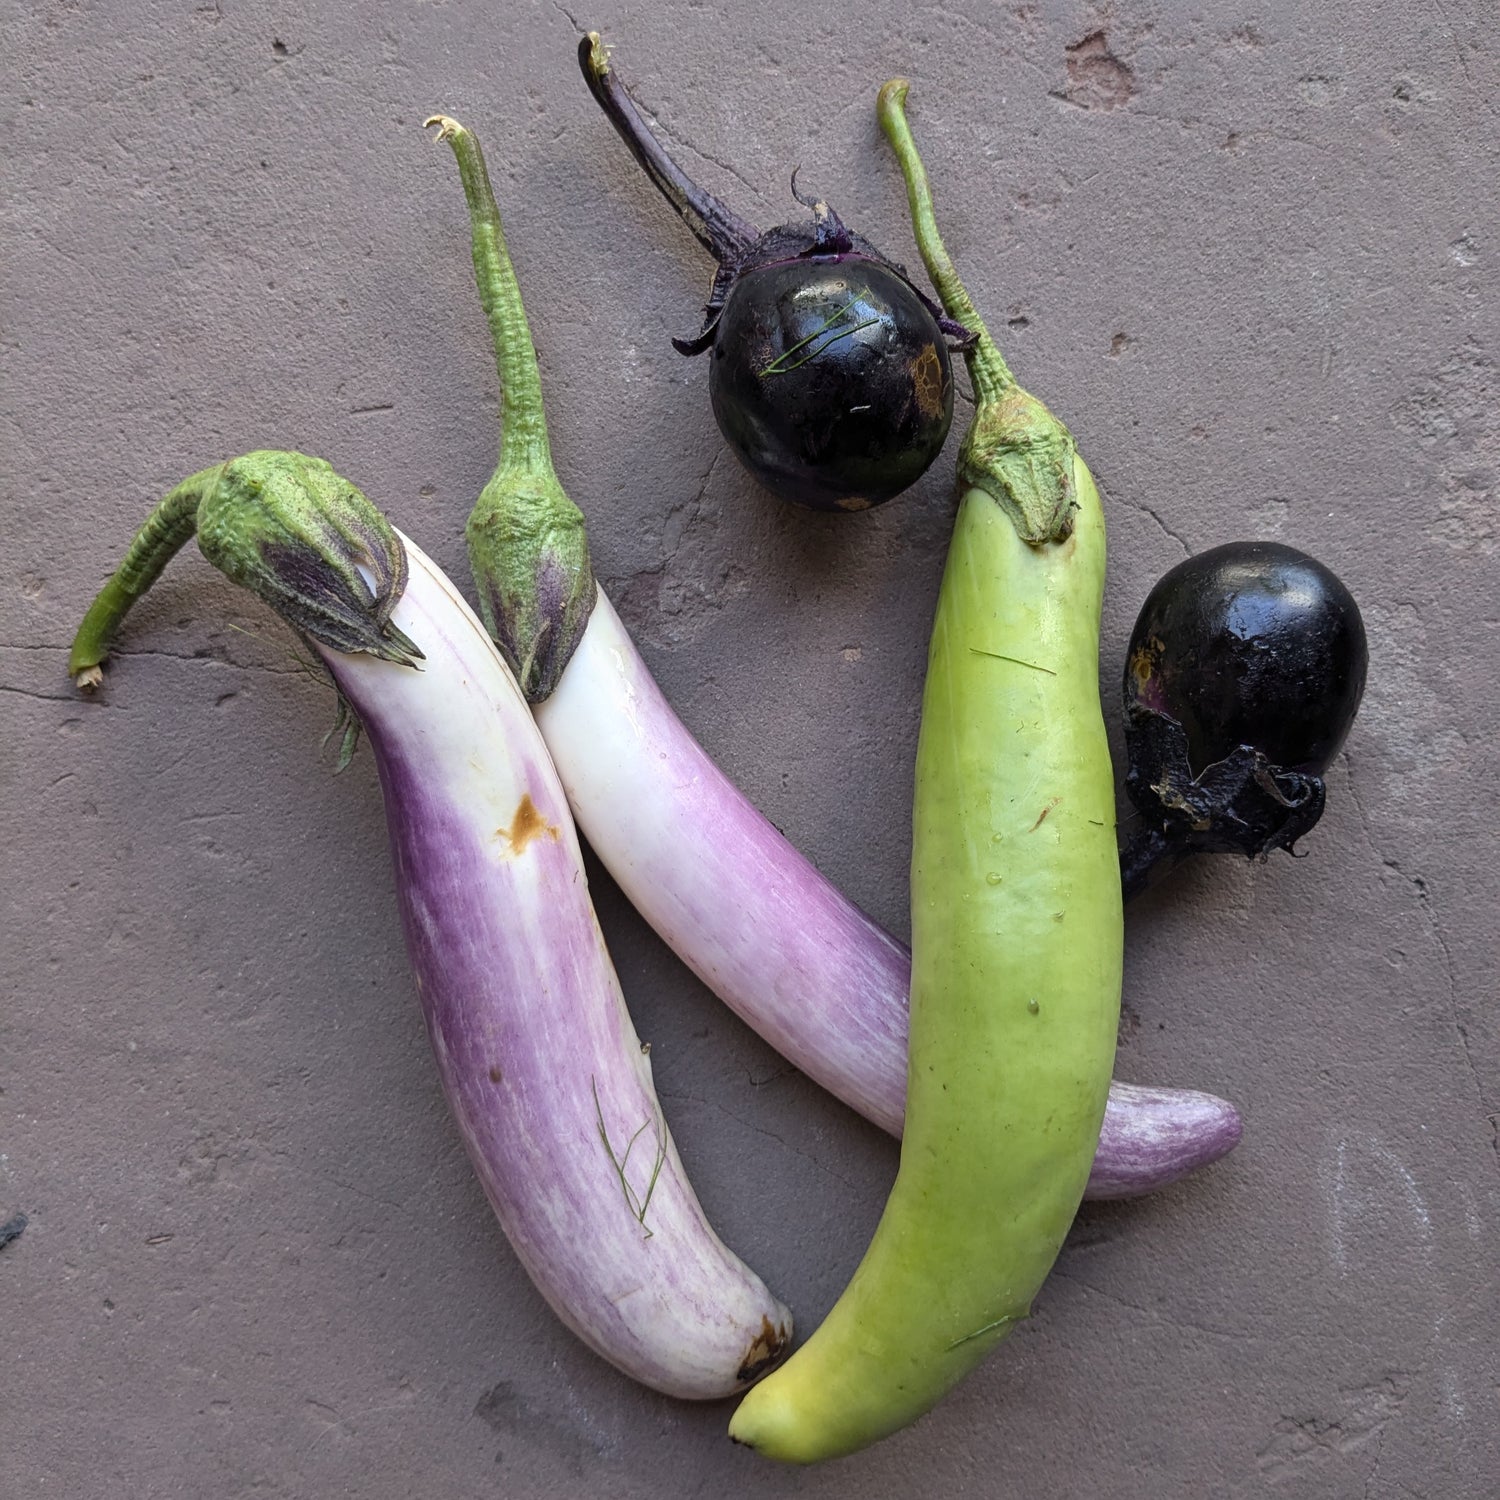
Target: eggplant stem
x=523, y=440
x=987, y=366
x=167, y=529
x=720, y=230
x=1015, y=450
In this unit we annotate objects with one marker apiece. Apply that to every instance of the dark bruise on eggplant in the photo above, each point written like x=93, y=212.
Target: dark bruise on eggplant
x=830, y=376
x=1245, y=671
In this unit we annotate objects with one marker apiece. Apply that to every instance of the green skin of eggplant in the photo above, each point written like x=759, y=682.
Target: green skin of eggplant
x=1017, y=949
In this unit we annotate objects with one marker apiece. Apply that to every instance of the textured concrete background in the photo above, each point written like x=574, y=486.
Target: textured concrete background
x=1246, y=249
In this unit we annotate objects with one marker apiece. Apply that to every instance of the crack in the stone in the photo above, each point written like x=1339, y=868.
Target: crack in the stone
x=1418, y=884
x=1155, y=1315
x=678, y=138
x=572, y=19
x=1141, y=506
x=76, y=696
x=703, y=483
x=21, y=692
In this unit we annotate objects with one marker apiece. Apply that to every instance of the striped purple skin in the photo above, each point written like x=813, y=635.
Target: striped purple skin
x=1153, y=1136
x=533, y=1043
x=768, y=934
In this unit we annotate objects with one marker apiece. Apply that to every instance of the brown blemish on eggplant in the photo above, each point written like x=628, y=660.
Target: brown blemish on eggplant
x=1042, y=816
x=528, y=824
x=765, y=1350
x=853, y=503
x=1143, y=662
x=927, y=381
x=496, y=1076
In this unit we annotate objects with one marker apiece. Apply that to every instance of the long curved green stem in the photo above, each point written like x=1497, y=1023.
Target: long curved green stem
x=523, y=442
x=1015, y=450
x=163, y=536
x=987, y=366
x=528, y=548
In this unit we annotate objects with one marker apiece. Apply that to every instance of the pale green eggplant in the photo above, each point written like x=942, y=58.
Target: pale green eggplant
x=1017, y=930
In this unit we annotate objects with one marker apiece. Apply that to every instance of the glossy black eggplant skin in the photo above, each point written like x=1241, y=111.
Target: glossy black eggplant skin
x=831, y=380
x=1251, y=643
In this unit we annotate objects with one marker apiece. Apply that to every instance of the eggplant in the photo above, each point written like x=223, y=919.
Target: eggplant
x=830, y=378
x=549, y=1085
x=1245, y=671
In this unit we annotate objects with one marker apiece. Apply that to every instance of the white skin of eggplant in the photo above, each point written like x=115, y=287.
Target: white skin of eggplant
x=526, y=1016
x=766, y=932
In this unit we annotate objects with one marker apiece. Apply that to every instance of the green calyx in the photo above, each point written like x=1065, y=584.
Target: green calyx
x=1016, y=450
x=299, y=536
x=289, y=529
x=1020, y=455
x=529, y=552
x=528, y=546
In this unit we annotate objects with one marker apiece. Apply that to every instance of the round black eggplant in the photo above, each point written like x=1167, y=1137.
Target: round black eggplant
x=830, y=381
x=830, y=378
x=1251, y=643
x=1245, y=670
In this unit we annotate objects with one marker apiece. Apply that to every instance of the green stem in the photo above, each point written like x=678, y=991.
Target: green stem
x=523, y=442
x=1015, y=450
x=987, y=366
x=528, y=546
x=156, y=543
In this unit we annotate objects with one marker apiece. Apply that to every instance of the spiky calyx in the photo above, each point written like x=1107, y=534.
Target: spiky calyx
x=288, y=528
x=301, y=537
x=529, y=551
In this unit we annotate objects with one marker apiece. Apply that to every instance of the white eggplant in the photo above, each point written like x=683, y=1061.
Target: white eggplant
x=548, y=1082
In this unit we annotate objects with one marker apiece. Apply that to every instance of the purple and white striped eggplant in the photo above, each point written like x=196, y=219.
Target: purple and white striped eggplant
x=548, y=1083
x=772, y=937
x=778, y=943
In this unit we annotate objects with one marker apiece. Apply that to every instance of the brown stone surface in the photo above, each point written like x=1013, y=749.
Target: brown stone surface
x=1247, y=251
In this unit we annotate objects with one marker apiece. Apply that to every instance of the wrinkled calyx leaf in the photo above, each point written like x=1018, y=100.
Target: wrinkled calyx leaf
x=284, y=526
x=1021, y=456
x=1242, y=804
x=529, y=551
x=302, y=538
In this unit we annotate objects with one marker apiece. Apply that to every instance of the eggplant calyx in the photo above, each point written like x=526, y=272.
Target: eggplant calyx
x=529, y=551
x=302, y=538
x=289, y=529
x=1241, y=804
x=1022, y=457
